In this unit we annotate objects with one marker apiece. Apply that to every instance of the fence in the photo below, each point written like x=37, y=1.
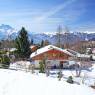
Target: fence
x=22, y=67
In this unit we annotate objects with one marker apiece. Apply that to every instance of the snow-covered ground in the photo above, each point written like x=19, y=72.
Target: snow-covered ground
x=24, y=83
x=87, y=76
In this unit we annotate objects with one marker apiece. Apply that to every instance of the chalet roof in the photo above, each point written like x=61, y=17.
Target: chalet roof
x=73, y=52
x=32, y=46
x=83, y=56
x=12, y=49
x=47, y=48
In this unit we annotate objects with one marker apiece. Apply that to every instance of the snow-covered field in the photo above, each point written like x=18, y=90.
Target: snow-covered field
x=24, y=83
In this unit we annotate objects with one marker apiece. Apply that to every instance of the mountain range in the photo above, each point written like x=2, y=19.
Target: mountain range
x=6, y=31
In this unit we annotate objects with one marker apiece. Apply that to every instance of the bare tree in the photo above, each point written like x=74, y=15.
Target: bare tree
x=66, y=33
x=59, y=44
x=47, y=70
x=78, y=66
x=32, y=68
x=59, y=33
x=78, y=69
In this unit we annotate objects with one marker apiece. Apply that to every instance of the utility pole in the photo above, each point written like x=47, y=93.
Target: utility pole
x=9, y=41
x=66, y=32
x=59, y=32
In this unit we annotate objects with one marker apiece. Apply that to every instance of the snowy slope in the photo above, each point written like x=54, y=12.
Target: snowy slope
x=21, y=83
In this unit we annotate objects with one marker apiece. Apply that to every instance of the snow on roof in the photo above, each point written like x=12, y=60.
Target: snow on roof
x=32, y=46
x=93, y=51
x=47, y=48
x=93, y=57
x=12, y=49
x=73, y=52
x=83, y=55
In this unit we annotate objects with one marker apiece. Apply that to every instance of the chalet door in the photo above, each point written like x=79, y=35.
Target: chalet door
x=61, y=64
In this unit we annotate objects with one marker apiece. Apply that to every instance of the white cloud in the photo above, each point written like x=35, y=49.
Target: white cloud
x=54, y=10
x=40, y=21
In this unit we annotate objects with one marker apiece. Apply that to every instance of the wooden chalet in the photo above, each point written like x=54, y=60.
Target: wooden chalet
x=52, y=54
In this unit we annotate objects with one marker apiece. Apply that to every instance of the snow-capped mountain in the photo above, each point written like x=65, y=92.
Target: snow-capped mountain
x=7, y=30
x=53, y=38
x=5, y=27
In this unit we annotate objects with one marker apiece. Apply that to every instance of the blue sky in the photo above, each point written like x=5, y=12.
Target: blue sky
x=46, y=15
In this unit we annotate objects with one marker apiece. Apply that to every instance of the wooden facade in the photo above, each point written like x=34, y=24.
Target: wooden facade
x=52, y=55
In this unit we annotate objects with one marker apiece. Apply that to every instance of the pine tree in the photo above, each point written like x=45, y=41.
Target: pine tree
x=70, y=80
x=5, y=62
x=32, y=42
x=46, y=42
x=23, y=44
x=42, y=67
x=42, y=43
